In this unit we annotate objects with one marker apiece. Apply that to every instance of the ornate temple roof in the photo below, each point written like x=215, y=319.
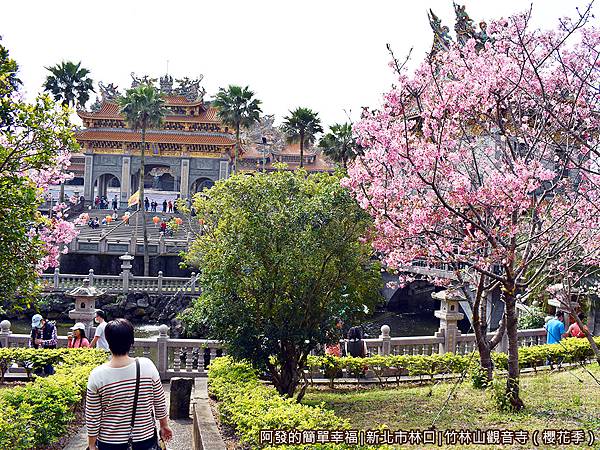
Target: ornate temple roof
x=126, y=135
x=110, y=110
x=463, y=27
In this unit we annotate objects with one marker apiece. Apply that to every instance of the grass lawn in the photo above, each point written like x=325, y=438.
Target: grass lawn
x=568, y=399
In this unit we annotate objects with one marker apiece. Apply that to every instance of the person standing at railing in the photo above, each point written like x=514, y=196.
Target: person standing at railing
x=43, y=335
x=78, y=339
x=99, y=340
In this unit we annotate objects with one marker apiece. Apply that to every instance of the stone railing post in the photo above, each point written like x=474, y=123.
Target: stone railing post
x=386, y=340
x=162, y=355
x=126, y=271
x=503, y=346
x=160, y=281
x=449, y=316
x=91, y=276
x=162, y=246
x=56, y=278
x=193, y=282
x=4, y=333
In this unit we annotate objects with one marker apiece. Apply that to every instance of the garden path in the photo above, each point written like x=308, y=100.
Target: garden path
x=182, y=432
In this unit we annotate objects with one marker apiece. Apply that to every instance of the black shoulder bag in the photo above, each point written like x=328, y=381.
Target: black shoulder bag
x=155, y=445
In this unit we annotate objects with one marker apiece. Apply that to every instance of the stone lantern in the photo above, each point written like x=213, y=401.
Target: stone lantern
x=449, y=316
x=85, y=304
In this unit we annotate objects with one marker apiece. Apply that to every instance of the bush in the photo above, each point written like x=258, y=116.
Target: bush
x=569, y=351
x=38, y=413
x=249, y=406
x=533, y=317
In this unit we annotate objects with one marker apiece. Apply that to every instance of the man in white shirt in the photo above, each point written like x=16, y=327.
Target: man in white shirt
x=99, y=340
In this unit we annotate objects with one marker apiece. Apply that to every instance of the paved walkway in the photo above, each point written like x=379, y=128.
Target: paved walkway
x=182, y=432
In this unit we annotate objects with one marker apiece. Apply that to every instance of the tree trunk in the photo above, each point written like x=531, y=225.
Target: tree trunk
x=142, y=207
x=301, y=149
x=480, y=328
x=589, y=337
x=510, y=313
x=237, y=146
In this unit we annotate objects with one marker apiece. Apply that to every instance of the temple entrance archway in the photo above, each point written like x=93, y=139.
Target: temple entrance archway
x=159, y=178
x=107, y=185
x=202, y=183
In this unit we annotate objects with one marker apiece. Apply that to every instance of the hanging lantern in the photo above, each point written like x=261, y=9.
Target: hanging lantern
x=155, y=219
x=201, y=221
x=178, y=220
x=108, y=219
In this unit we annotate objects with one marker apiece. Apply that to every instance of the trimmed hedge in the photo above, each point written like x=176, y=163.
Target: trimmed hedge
x=568, y=351
x=37, y=414
x=249, y=406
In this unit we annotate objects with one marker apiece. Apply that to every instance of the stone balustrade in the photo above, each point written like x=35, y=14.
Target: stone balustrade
x=123, y=283
x=191, y=357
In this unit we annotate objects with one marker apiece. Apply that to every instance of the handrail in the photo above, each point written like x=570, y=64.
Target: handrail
x=120, y=224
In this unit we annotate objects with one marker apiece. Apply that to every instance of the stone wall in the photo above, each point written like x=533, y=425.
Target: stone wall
x=139, y=308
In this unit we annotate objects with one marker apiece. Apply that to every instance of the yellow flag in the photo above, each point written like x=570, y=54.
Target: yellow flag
x=134, y=199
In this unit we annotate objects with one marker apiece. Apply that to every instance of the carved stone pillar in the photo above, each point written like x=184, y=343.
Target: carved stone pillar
x=125, y=180
x=184, y=190
x=88, y=181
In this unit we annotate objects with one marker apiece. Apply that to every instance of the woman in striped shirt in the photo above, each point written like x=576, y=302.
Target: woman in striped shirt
x=111, y=392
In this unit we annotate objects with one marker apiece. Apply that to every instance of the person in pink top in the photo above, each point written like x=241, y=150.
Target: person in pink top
x=78, y=339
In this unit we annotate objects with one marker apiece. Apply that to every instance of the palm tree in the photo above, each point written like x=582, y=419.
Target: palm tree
x=70, y=85
x=338, y=144
x=301, y=126
x=237, y=109
x=143, y=108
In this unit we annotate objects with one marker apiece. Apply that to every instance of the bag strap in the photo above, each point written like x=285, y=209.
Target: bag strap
x=135, y=396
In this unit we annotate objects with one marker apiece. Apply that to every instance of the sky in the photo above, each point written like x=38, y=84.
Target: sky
x=327, y=55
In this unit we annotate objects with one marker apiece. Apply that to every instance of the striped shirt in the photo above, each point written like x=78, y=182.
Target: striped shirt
x=109, y=402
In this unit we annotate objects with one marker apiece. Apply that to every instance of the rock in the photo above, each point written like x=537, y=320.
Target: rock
x=129, y=306
x=181, y=390
x=139, y=313
x=143, y=302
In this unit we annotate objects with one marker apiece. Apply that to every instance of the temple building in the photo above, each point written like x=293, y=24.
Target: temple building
x=191, y=150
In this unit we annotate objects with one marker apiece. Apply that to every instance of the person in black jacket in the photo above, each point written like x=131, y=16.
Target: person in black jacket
x=43, y=335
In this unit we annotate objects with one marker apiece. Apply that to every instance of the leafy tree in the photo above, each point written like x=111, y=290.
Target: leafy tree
x=281, y=257
x=143, y=108
x=69, y=84
x=237, y=109
x=338, y=144
x=35, y=144
x=301, y=126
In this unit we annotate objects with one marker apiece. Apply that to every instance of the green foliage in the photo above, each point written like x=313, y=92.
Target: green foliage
x=37, y=414
x=237, y=108
x=302, y=125
x=31, y=137
x=479, y=377
x=569, y=351
x=338, y=144
x=500, y=396
x=69, y=84
x=249, y=406
x=532, y=318
x=143, y=107
x=280, y=259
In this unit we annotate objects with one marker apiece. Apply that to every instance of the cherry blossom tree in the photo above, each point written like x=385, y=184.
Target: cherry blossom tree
x=482, y=159
x=35, y=144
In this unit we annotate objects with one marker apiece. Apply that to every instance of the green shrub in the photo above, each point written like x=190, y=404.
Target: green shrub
x=249, y=406
x=37, y=414
x=568, y=351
